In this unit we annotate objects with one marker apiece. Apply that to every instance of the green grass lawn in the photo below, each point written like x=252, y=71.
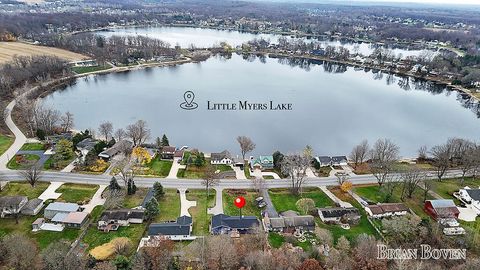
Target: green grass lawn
x=192, y=172
x=32, y=147
x=159, y=167
x=275, y=240
x=223, y=168
x=24, y=189
x=201, y=220
x=134, y=232
x=136, y=199
x=324, y=171
x=268, y=177
x=28, y=159
x=61, y=164
x=447, y=187
x=362, y=227
x=374, y=194
x=5, y=143
x=43, y=238
x=81, y=70
x=283, y=200
x=169, y=206
x=76, y=192
x=246, y=170
x=250, y=208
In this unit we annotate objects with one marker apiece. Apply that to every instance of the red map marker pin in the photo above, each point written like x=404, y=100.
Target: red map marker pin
x=239, y=202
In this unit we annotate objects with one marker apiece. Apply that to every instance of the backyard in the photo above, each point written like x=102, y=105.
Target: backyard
x=447, y=187
x=136, y=199
x=284, y=200
x=5, y=143
x=201, y=220
x=76, y=193
x=250, y=208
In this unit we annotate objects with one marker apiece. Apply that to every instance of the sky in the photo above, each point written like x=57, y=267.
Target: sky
x=452, y=2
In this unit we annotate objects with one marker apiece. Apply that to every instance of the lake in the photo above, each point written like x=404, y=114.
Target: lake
x=203, y=38
x=333, y=107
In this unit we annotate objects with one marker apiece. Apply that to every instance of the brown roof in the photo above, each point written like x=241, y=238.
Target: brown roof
x=387, y=208
x=168, y=149
x=178, y=153
x=75, y=217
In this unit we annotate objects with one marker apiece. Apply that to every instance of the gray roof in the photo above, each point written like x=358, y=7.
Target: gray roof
x=59, y=217
x=87, y=144
x=116, y=148
x=9, y=201
x=220, y=156
x=474, y=193
x=234, y=222
x=179, y=227
x=324, y=159
x=442, y=203
x=64, y=207
x=338, y=212
x=339, y=159
x=32, y=204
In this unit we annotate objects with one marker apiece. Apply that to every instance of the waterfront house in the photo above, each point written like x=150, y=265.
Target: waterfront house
x=233, y=225
x=60, y=208
x=339, y=161
x=441, y=209
x=387, y=210
x=470, y=196
x=223, y=157
x=116, y=149
x=262, y=162
x=112, y=220
x=181, y=229
x=168, y=152
x=10, y=205
x=289, y=222
x=349, y=215
x=324, y=161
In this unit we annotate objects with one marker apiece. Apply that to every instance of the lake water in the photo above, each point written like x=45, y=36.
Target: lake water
x=203, y=38
x=332, y=107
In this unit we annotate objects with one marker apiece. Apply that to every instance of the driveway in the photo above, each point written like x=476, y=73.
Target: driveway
x=49, y=193
x=175, y=167
x=334, y=198
x=39, y=153
x=467, y=213
x=218, y=208
x=184, y=203
x=239, y=173
x=270, y=209
x=309, y=173
x=272, y=174
x=20, y=138
x=96, y=200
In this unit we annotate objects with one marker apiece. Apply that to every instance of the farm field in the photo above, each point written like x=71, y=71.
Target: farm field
x=9, y=49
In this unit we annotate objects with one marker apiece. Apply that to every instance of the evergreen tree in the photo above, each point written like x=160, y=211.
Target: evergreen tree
x=151, y=209
x=114, y=184
x=158, y=190
x=165, y=140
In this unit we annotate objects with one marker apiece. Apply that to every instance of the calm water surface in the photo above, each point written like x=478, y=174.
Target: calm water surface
x=333, y=107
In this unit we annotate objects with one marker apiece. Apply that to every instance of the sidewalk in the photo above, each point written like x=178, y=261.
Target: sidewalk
x=96, y=200
x=218, y=208
x=49, y=193
x=184, y=203
x=335, y=198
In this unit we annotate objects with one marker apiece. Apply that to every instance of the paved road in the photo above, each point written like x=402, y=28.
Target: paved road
x=20, y=139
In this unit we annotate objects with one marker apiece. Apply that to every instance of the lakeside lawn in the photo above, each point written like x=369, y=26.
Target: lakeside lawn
x=250, y=208
x=169, y=206
x=362, y=227
x=159, y=167
x=19, y=162
x=32, y=147
x=5, y=143
x=42, y=238
x=76, y=193
x=24, y=189
x=82, y=70
x=447, y=187
x=283, y=200
x=201, y=220
x=374, y=194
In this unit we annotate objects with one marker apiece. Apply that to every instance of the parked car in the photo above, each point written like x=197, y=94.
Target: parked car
x=260, y=202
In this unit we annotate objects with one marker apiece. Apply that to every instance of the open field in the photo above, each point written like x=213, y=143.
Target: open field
x=9, y=49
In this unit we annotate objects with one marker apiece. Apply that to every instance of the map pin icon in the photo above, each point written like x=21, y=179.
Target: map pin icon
x=189, y=96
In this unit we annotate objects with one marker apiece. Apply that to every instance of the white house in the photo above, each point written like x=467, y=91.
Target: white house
x=387, y=210
x=10, y=205
x=221, y=158
x=470, y=196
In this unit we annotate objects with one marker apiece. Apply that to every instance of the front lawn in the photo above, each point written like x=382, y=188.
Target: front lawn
x=284, y=200
x=76, y=193
x=136, y=199
x=169, y=206
x=59, y=165
x=19, y=162
x=447, y=187
x=24, y=189
x=32, y=147
x=324, y=171
x=5, y=143
x=374, y=194
x=201, y=220
x=250, y=208
x=159, y=167
x=223, y=168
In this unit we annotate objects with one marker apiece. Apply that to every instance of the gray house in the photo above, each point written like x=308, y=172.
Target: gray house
x=180, y=229
x=32, y=207
x=233, y=225
x=60, y=208
x=12, y=205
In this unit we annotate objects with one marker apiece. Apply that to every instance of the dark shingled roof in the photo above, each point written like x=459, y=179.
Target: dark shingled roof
x=383, y=208
x=123, y=214
x=11, y=201
x=32, y=204
x=474, y=194
x=337, y=212
x=220, y=156
x=179, y=227
x=234, y=222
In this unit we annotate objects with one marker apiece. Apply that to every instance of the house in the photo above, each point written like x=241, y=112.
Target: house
x=441, y=209
x=339, y=161
x=324, y=161
x=178, y=154
x=180, y=229
x=75, y=219
x=238, y=162
x=85, y=63
x=59, y=208
x=86, y=145
x=289, y=222
x=10, y=205
x=349, y=215
x=116, y=149
x=112, y=220
x=221, y=158
x=470, y=196
x=233, y=225
x=168, y=152
x=152, y=152
x=262, y=162
x=33, y=207
x=387, y=210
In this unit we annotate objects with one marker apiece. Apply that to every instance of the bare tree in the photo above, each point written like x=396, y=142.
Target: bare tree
x=120, y=134
x=138, y=132
x=124, y=170
x=427, y=185
x=66, y=122
x=21, y=253
x=106, y=129
x=359, y=153
x=442, y=155
x=411, y=178
x=295, y=166
x=210, y=179
x=422, y=153
x=246, y=145
x=32, y=174
x=384, y=154
x=259, y=184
